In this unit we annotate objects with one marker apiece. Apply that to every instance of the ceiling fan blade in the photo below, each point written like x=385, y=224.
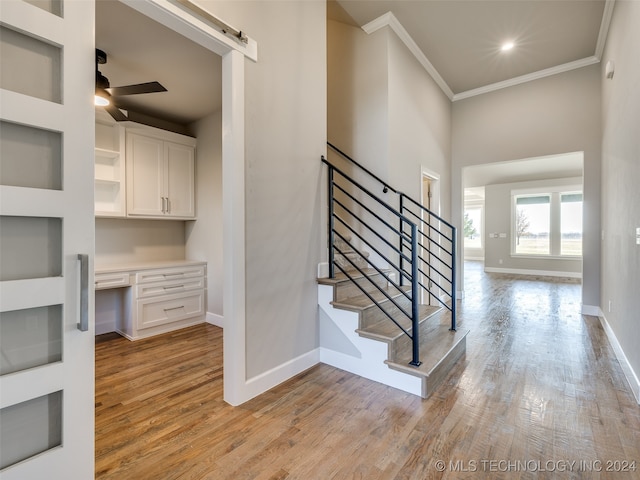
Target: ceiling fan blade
x=149, y=87
x=115, y=112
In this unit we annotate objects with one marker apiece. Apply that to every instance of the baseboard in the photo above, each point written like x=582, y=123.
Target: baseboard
x=545, y=273
x=631, y=376
x=323, y=270
x=271, y=378
x=591, y=310
x=215, y=319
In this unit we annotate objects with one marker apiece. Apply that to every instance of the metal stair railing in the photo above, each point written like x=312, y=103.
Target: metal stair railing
x=416, y=246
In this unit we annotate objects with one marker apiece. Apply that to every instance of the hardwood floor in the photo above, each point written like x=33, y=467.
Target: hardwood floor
x=539, y=395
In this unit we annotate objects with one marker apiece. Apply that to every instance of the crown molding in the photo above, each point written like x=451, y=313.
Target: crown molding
x=547, y=72
x=604, y=27
x=390, y=20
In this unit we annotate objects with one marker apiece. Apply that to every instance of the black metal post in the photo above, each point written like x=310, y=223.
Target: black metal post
x=453, y=279
x=400, y=239
x=415, y=319
x=331, y=223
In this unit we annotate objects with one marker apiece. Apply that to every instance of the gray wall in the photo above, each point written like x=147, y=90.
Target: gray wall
x=620, y=179
x=498, y=220
x=285, y=135
x=557, y=114
x=203, y=237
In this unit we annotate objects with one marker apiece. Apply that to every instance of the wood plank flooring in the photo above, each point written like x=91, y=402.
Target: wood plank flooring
x=539, y=395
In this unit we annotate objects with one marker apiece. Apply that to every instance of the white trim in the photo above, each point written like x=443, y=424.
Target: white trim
x=271, y=378
x=233, y=199
x=627, y=369
x=604, y=27
x=215, y=319
x=390, y=20
x=522, y=271
x=192, y=26
x=591, y=310
x=547, y=72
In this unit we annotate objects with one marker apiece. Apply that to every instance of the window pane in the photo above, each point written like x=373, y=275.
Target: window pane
x=473, y=228
x=29, y=428
x=571, y=224
x=533, y=218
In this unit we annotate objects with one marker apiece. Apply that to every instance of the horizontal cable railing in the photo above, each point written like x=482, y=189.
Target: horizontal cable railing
x=415, y=246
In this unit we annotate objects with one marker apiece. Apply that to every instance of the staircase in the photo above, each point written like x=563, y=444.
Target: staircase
x=390, y=316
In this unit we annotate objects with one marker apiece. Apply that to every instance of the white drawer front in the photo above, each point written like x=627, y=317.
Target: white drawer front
x=169, y=287
x=175, y=273
x=169, y=308
x=111, y=280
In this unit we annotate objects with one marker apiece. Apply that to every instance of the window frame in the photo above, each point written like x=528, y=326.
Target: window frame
x=555, y=226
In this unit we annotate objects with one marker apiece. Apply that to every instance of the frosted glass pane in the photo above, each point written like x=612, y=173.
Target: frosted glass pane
x=30, y=338
x=30, y=66
x=30, y=428
x=30, y=157
x=51, y=6
x=30, y=247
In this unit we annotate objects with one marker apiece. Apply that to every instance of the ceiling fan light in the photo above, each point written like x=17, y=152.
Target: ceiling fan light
x=102, y=98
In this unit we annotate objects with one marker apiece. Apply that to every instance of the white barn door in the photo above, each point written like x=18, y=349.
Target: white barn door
x=46, y=239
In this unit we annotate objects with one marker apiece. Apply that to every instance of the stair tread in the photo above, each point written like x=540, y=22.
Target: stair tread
x=386, y=330
x=341, y=277
x=434, y=347
x=362, y=302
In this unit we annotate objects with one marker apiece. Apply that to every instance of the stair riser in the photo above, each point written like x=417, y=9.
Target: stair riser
x=433, y=381
x=347, y=289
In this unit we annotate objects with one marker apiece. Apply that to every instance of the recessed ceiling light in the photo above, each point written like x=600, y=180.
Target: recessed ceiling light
x=507, y=46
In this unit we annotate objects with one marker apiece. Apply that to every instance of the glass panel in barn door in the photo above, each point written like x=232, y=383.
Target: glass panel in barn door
x=46, y=239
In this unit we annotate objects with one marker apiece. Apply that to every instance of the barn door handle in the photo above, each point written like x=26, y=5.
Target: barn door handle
x=83, y=326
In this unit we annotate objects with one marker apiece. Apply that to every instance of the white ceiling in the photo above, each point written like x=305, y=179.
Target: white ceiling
x=541, y=168
x=140, y=50
x=462, y=38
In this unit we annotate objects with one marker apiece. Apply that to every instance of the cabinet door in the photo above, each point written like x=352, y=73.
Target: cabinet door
x=180, y=180
x=145, y=176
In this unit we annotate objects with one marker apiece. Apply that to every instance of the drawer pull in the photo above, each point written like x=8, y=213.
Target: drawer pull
x=168, y=275
x=176, y=286
x=173, y=308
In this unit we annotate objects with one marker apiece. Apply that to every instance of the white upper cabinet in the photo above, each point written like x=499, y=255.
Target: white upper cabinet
x=160, y=174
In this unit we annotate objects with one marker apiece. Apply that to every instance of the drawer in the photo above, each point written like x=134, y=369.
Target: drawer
x=111, y=280
x=168, y=287
x=174, y=273
x=170, y=308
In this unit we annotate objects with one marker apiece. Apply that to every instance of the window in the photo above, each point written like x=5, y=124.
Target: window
x=547, y=224
x=571, y=223
x=473, y=227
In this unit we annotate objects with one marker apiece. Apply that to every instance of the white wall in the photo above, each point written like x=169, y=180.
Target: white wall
x=620, y=179
x=557, y=114
x=128, y=240
x=285, y=135
x=498, y=214
x=204, y=236
x=419, y=125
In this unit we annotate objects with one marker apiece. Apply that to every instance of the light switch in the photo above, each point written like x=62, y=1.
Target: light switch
x=638, y=236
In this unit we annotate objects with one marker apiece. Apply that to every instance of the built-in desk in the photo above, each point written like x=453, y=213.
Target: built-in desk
x=153, y=297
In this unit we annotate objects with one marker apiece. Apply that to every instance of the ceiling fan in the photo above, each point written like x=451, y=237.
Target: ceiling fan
x=106, y=95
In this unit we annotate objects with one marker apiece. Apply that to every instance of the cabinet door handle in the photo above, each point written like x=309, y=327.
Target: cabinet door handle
x=168, y=205
x=173, y=308
x=83, y=326
x=164, y=209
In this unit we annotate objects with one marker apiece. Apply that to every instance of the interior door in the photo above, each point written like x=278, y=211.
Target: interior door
x=46, y=239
